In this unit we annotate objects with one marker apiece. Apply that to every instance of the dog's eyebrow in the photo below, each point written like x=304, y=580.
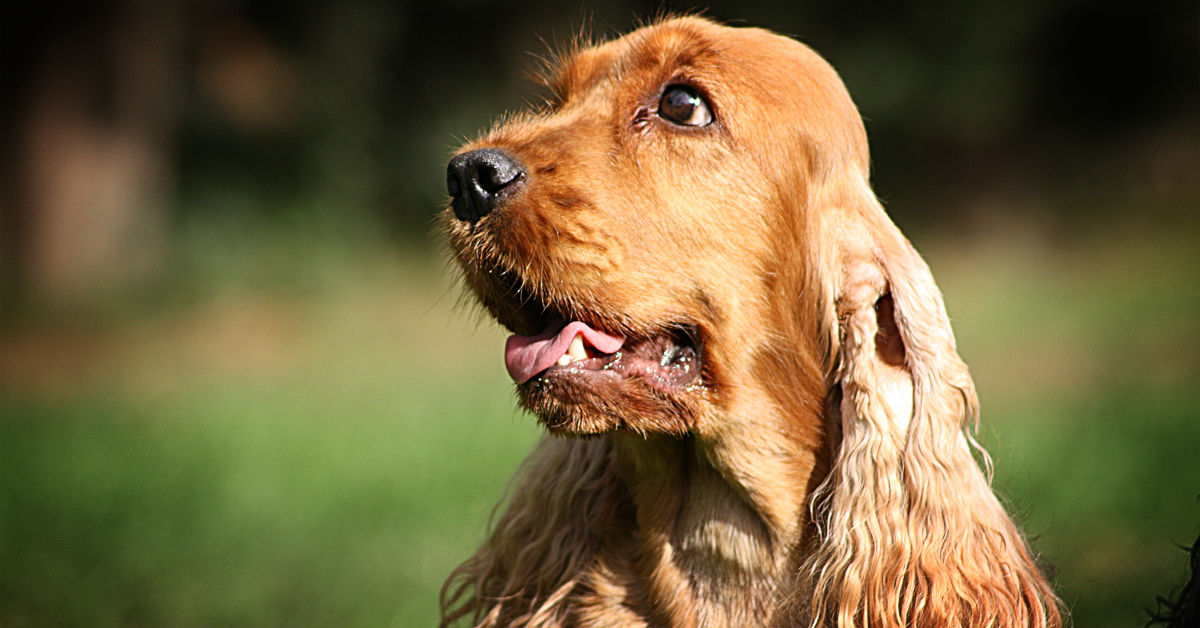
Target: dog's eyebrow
x=670, y=50
x=657, y=54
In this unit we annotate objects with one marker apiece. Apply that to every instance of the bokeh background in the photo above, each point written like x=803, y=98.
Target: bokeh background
x=236, y=386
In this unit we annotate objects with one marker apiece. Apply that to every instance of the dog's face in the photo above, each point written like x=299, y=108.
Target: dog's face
x=657, y=210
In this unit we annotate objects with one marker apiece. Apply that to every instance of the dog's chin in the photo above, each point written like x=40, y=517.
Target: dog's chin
x=579, y=402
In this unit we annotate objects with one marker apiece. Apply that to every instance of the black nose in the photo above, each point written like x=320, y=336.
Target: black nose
x=480, y=180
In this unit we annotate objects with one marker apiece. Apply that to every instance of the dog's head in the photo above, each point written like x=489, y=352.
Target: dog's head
x=660, y=208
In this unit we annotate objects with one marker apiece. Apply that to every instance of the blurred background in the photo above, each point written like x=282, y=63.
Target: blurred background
x=237, y=385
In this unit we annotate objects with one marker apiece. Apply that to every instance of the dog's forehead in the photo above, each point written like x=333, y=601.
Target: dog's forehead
x=681, y=43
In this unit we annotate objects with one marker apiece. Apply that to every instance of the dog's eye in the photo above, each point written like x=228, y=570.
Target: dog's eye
x=684, y=106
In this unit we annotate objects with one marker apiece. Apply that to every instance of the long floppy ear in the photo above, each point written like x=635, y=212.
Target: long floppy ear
x=910, y=533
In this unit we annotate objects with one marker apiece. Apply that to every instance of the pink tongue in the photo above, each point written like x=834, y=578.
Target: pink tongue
x=526, y=356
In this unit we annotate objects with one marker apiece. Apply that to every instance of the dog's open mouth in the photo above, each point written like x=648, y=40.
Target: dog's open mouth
x=580, y=345
x=666, y=361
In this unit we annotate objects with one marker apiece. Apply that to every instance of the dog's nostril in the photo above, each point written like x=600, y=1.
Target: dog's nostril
x=480, y=180
x=497, y=175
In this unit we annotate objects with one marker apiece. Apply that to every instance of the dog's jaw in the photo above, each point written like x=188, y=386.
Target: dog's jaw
x=633, y=370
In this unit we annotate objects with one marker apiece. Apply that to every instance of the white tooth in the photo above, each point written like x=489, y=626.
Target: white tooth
x=564, y=360
x=576, y=350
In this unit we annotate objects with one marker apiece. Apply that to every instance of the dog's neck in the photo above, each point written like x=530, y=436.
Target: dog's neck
x=712, y=530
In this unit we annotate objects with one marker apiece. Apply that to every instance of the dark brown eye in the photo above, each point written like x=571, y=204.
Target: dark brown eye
x=684, y=106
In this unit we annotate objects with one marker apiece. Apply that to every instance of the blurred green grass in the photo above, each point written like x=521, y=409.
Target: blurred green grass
x=318, y=436
x=301, y=451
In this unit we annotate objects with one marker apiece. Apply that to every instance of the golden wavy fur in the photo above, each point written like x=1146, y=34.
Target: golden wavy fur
x=782, y=437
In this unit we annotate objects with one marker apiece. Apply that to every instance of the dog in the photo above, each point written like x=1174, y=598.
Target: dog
x=756, y=413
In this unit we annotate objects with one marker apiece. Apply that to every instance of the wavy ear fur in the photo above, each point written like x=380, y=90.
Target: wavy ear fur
x=910, y=533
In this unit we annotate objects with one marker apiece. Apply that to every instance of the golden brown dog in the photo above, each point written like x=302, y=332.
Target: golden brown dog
x=757, y=414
